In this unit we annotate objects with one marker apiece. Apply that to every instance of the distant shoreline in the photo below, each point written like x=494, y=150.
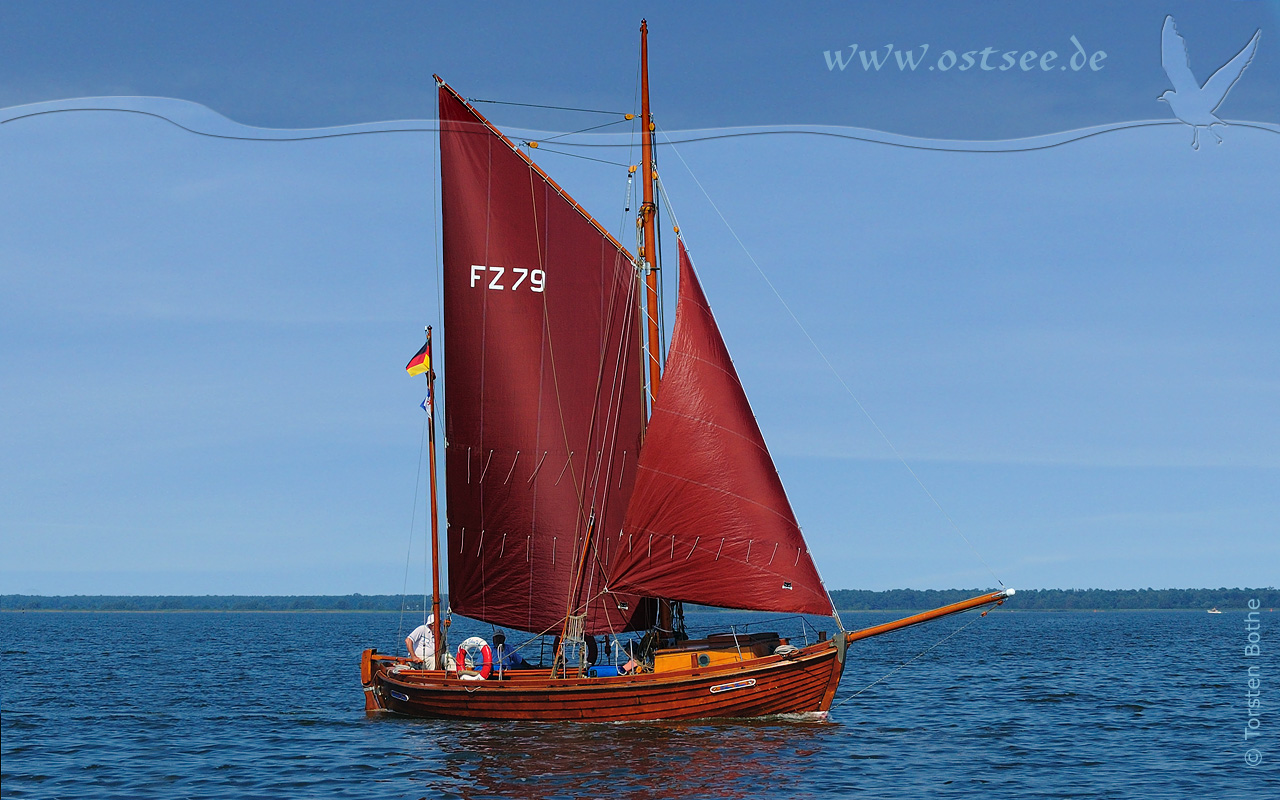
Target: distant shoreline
x=844, y=611
x=845, y=600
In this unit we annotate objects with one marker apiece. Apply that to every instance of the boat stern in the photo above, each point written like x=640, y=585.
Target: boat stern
x=370, y=665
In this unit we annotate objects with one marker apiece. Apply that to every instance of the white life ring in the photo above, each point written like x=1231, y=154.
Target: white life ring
x=486, y=656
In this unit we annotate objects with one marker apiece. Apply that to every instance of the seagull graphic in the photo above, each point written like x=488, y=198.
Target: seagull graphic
x=1192, y=103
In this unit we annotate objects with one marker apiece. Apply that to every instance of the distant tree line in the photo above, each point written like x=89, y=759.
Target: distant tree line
x=1060, y=599
x=844, y=600
x=318, y=602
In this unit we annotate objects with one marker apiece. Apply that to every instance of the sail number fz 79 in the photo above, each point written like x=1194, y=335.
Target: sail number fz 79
x=513, y=278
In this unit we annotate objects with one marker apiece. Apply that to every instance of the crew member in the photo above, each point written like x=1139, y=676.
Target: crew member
x=422, y=644
x=505, y=658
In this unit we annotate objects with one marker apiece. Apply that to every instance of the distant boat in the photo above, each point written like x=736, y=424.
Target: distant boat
x=1214, y=611
x=570, y=510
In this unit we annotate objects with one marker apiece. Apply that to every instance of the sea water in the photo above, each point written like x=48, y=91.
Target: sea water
x=1013, y=705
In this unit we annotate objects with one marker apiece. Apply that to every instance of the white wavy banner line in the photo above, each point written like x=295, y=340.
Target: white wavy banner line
x=204, y=121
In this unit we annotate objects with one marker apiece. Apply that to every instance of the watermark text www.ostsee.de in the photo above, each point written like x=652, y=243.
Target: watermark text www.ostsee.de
x=989, y=59
x=1253, y=682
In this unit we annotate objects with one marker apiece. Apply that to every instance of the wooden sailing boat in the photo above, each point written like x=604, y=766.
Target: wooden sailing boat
x=571, y=513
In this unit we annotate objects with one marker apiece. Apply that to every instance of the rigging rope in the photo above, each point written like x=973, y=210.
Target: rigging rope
x=905, y=664
x=557, y=624
x=537, y=105
x=827, y=361
x=585, y=130
x=413, y=519
x=536, y=145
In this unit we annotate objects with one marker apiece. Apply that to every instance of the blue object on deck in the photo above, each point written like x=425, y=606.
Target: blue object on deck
x=602, y=672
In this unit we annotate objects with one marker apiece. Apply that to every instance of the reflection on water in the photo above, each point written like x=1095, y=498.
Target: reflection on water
x=545, y=760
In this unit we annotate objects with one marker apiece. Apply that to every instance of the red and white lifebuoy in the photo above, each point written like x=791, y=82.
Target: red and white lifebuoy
x=465, y=658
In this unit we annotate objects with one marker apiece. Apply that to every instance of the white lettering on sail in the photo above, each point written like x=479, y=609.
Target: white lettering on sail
x=535, y=279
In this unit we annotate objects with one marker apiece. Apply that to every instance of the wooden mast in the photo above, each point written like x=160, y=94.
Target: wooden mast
x=435, y=512
x=646, y=224
x=647, y=255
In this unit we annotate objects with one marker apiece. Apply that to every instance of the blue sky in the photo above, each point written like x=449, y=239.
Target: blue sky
x=1075, y=348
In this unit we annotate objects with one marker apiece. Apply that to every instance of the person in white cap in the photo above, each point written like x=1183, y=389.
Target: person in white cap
x=422, y=644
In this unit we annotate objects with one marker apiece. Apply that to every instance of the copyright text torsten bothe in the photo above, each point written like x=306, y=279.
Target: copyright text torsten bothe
x=1253, y=695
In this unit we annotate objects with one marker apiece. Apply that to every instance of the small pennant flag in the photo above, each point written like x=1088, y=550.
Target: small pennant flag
x=427, y=405
x=421, y=362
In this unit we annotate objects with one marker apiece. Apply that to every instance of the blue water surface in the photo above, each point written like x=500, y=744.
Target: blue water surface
x=260, y=705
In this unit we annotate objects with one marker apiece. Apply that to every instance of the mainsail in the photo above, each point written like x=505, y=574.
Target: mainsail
x=709, y=521
x=545, y=410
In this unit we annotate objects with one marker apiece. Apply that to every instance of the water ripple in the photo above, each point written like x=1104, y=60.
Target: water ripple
x=1022, y=706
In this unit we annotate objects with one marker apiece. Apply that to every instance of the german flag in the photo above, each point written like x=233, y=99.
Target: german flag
x=421, y=361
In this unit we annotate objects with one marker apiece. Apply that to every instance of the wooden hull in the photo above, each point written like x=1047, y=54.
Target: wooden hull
x=804, y=682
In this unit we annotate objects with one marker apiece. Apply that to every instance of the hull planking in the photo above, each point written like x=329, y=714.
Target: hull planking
x=803, y=682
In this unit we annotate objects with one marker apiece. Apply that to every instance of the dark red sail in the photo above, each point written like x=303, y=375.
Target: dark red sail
x=543, y=407
x=709, y=521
